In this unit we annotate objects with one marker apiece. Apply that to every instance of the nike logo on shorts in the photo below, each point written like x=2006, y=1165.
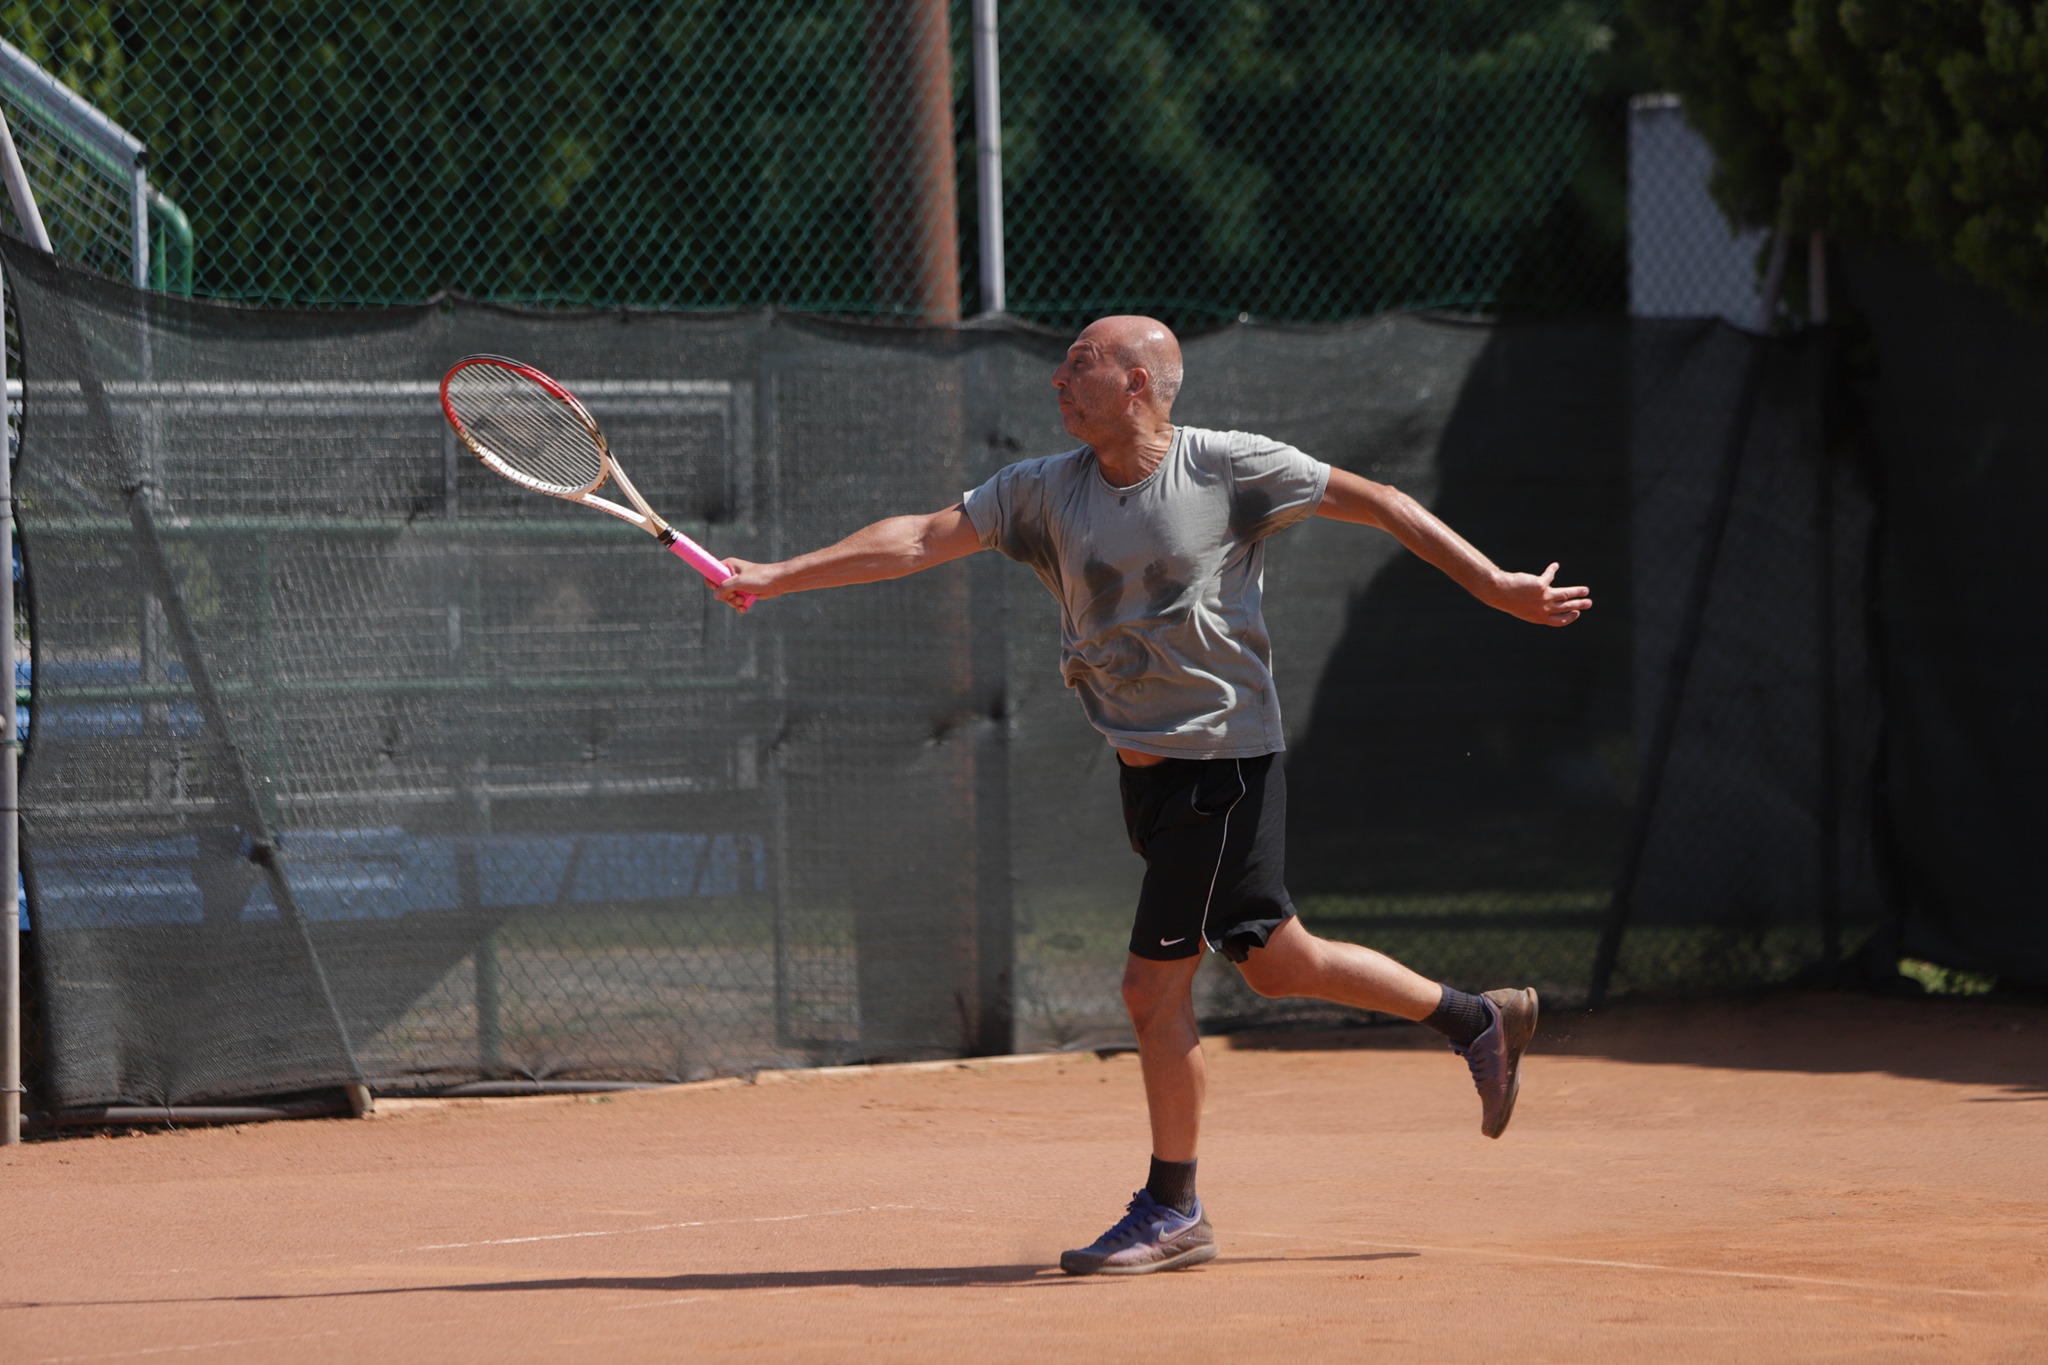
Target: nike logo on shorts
x=1169, y=942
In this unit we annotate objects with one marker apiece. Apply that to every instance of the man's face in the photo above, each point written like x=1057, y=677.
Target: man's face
x=1093, y=388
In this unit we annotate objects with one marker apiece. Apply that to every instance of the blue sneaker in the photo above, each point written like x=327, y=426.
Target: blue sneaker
x=1150, y=1236
x=1495, y=1056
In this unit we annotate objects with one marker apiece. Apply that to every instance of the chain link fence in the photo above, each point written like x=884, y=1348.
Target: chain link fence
x=1286, y=161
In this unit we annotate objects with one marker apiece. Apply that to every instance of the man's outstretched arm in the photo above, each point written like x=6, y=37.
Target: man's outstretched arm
x=1532, y=597
x=889, y=548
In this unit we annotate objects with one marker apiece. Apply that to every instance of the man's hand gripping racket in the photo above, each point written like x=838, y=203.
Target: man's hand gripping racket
x=533, y=431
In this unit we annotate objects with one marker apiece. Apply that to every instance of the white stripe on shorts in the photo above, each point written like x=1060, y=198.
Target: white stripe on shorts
x=1221, y=845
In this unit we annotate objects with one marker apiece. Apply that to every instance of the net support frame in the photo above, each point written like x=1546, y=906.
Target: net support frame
x=26, y=209
x=25, y=206
x=264, y=850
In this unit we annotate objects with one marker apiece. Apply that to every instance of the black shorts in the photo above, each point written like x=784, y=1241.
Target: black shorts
x=1213, y=834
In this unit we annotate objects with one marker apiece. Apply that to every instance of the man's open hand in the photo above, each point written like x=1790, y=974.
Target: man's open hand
x=1536, y=599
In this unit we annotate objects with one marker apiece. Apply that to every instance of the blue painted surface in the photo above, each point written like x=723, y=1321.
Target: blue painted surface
x=354, y=874
x=98, y=719
x=381, y=874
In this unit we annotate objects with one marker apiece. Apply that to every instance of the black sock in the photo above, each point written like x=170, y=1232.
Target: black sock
x=1172, y=1183
x=1460, y=1017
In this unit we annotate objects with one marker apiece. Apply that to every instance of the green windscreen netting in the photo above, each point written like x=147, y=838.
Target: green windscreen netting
x=348, y=759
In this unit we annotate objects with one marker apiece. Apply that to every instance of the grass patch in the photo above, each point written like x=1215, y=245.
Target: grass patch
x=1938, y=980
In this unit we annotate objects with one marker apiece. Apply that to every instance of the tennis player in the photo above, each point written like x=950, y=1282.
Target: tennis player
x=1151, y=536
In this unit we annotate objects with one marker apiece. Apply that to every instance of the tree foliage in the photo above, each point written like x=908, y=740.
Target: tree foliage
x=1879, y=120
x=1298, y=160
x=1289, y=158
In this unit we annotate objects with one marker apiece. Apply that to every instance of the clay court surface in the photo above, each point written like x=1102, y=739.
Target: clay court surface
x=1800, y=1178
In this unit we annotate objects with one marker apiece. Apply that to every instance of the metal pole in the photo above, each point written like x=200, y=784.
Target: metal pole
x=10, y=798
x=1830, y=792
x=1774, y=275
x=10, y=804
x=988, y=156
x=1817, y=279
x=995, y=1025
x=138, y=208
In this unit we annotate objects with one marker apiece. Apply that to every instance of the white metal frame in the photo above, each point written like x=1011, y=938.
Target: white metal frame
x=65, y=107
x=83, y=124
x=10, y=791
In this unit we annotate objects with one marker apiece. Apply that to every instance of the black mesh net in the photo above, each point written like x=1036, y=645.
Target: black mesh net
x=351, y=760
x=1753, y=853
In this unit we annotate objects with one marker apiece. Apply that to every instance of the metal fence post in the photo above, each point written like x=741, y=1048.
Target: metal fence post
x=988, y=156
x=138, y=205
x=10, y=808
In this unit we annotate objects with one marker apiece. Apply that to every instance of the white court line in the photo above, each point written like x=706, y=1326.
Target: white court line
x=1880, y=1286
x=914, y=1281
x=195, y=1346
x=707, y=1298
x=213, y=1345
x=670, y=1227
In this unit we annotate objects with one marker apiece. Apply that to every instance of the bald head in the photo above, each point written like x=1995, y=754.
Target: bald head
x=1116, y=389
x=1141, y=343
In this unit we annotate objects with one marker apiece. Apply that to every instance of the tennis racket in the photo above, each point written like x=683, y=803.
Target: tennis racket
x=533, y=431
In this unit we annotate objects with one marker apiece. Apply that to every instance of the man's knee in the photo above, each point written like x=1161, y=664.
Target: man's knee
x=1283, y=966
x=1152, y=989
x=1265, y=975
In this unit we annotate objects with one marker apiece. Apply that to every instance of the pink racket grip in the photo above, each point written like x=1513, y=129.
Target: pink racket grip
x=698, y=558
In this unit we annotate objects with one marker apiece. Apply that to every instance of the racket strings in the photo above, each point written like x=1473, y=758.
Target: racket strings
x=526, y=428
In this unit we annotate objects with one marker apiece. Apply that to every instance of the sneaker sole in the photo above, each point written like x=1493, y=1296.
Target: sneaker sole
x=1180, y=1261
x=1518, y=1043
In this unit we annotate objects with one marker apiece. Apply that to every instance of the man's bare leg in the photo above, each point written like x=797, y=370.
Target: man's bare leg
x=1159, y=996
x=1490, y=1032
x=1163, y=1228
x=1295, y=962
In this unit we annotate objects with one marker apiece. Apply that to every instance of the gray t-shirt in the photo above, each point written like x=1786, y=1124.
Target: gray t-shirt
x=1159, y=584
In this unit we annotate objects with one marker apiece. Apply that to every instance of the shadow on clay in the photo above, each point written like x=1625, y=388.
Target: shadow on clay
x=947, y=1277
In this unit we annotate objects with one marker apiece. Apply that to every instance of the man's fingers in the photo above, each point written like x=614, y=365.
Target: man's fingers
x=730, y=592
x=1548, y=574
